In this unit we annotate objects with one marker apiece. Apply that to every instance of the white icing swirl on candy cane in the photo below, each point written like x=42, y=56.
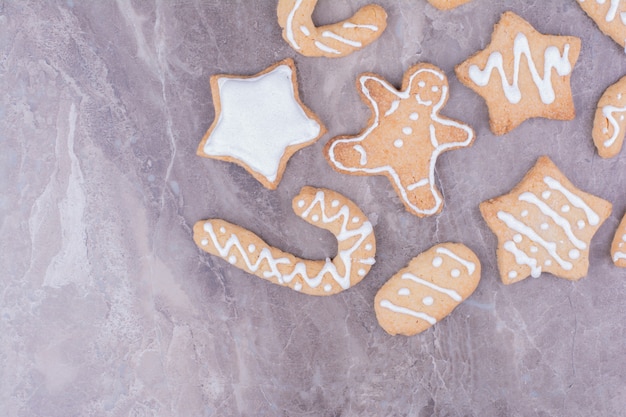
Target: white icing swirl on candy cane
x=552, y=60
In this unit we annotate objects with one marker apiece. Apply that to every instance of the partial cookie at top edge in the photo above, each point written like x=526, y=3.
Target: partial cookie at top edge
x=447, y=4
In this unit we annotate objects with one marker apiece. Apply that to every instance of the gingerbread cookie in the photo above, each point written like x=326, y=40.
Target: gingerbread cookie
x=260, y=122
x=545, y=224
x=618, y=248
x=428, y=289
x=404, y=137
x=331, y=41
x=447, y=4
x=610, y=16
x=609, y=125
x=522, y=74
x=320, y=207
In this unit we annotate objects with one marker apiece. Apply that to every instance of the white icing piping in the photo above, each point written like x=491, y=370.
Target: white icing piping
x=289, y=28
x=559, y=220
x=450, y=293
x=592, y=216
x=326, y=48
x=470, y=266
x=402, y=310
x=349, y=25
x=361, y=152
x=333, y=35
x=436, y=152
x=521, y=258
x=618, y=256
x=552, y=60
x=392, y=109
x=608, y=111
x=522, y=228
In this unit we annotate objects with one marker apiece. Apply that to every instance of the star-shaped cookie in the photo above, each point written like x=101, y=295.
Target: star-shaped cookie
x=405, y=136
x=545, y=224
x=522, y=74
x=260, y=122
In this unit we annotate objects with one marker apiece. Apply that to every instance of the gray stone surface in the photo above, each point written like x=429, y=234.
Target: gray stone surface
x=107, y=307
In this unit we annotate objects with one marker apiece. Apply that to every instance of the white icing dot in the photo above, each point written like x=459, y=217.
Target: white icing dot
x=362, y=272
x=548, y=262
x=581, y=224
x=437, y=262
x=455, y=273
x=407, y=130
x=428, y=301
x=297, y=286
x=301, y=203
x=512, y=274
x=368, y=247
x=335, y=203
x=546, y=195
x=435, y=89
x=544, y=226
x=517, y=238
x=355, y=219
x=232, y=259
x=605, y=130
x=421, y=84
x=619, y=96
x=251, y=248
x=621, y=117
x=222, y=230
x=315, y=218
x=328, y=288
x=414, y=116
x=574, y=254
x=398, y=143
x=534, y=249
x=624, y=238
x=524, y=213
x=565, y=208
x=404, y=291
x=204, y=242
x=621, y=244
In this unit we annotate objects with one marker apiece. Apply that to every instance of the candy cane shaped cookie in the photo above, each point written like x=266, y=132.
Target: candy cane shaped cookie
x=320, y=207
x=428, y=289
x=332, y=41
x=609, y=125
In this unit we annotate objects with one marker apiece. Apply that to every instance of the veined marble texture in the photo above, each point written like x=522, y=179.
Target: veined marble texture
x=108, y=308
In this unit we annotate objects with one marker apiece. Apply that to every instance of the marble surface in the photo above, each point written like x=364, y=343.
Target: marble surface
x=107, y=307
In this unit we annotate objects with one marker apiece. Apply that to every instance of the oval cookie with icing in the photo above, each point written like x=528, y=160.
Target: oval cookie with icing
x=618, y=248
x=428, y=289
x=609, y=124
x=331, y=41
x=610, y=16
x=320, y=207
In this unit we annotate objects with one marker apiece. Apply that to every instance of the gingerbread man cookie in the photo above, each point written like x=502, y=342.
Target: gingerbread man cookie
x=545, y=224
x=522, y=74
x=260, y=122
x=447, y=4
x=428, y=289
x=320, y=207
x=405, y=136
x=609, y=125
x=610, y=16
x=331, y=41
x=618, y=248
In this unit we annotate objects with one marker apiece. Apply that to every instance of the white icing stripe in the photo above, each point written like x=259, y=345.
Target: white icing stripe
x=349, y=25
x=559, y=220
x=607, y=111
x=361, y=152
x=420, y=183
x=521, y=258
x=305, y=30
x=367, y=261
x=552, y=60
x=433, y=160
x=618, y=256
x=470, y=266
x=522, y=228
x=450, y=293
x=433, y=136
x=326, y=48
x=394, y=106
x=289, y=27
x=233, y=241
x=592, y=216
x=332, y=35
x=402, y=310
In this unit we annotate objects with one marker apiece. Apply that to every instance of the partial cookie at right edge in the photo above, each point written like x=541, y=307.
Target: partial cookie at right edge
x=618, y=248
x=610, y=16
x=609, y=124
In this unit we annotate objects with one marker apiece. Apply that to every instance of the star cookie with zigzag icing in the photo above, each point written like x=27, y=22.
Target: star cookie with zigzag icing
x=545, y=224
x=522, y=74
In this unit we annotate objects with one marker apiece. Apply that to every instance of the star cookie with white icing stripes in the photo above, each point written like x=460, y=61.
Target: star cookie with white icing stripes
x=545, y=224
x=260, y=122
